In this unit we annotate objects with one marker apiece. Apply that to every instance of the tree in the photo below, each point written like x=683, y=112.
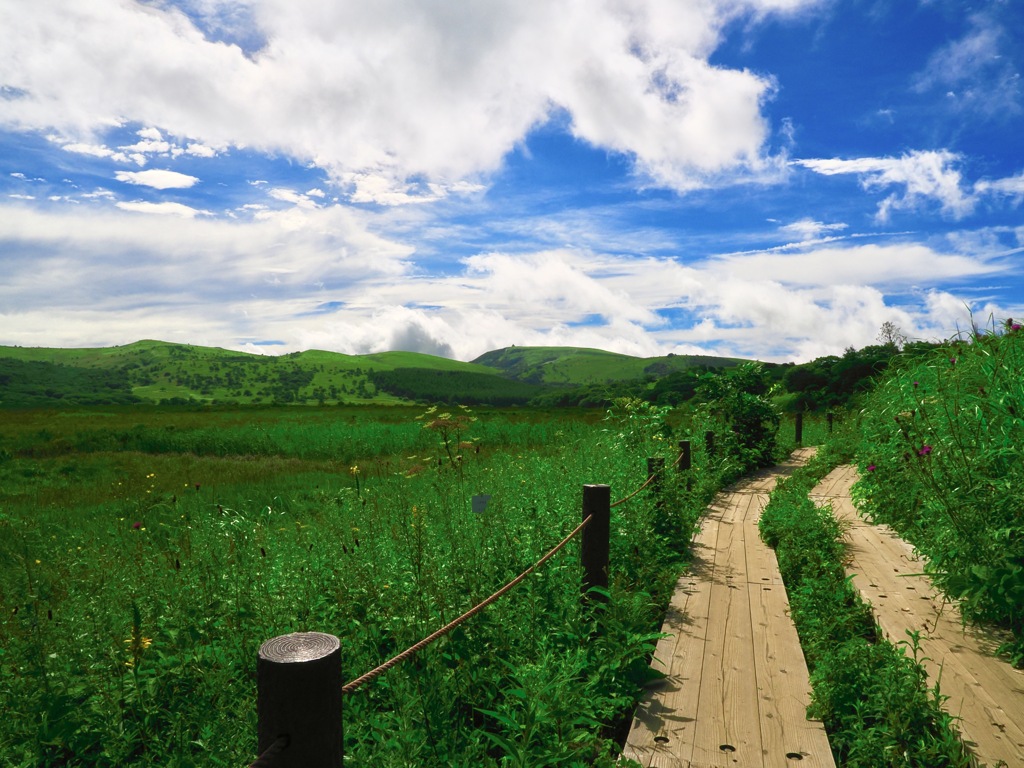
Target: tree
x=891, y=335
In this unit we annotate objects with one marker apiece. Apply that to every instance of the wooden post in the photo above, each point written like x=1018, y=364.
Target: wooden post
x=655, y=468
x=685, y=462
x=799, y=426
x=299, y=697
x=830, y=417
x=709, y=443
x=684, y=455
x=595, y=544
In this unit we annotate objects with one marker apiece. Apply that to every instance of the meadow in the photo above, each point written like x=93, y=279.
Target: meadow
x=145, y=554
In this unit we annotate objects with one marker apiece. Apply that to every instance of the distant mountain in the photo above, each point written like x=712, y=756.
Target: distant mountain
x=156, y=371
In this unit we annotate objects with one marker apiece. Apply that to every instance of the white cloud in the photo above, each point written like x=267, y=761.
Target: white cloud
x=923, y=175
x=973, y=72
x=1012, y=186
x=876, y=265
x=165, y=208
x=403, y=91
x=95, y=150
x=157, y=179
x=809, y=229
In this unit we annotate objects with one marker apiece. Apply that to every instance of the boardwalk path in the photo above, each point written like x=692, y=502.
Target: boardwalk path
x=737, y=688
x=985, y=692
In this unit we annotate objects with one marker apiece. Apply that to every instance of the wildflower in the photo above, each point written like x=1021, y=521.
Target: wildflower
x=915, y=385
x=871, y=467
x=924, y=450
x=136, y=526
x=952, y=361
x=1015, y=326
x=354, y=469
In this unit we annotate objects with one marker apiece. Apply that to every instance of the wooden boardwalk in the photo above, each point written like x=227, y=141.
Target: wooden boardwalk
x=737, y=688
x=986, y=693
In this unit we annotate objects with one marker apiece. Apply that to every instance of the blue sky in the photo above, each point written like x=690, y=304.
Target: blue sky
x=771, y=179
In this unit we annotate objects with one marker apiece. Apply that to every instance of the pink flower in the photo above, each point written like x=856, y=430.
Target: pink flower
x=871, y=467
x=136, y=526
x=924, y=450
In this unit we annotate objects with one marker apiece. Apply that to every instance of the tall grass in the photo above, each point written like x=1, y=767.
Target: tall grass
x=136, y=586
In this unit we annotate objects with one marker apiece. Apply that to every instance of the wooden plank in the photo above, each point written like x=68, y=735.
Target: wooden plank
x=985, y=692
x=783, y=686
x=728, y=729
x=662, y=727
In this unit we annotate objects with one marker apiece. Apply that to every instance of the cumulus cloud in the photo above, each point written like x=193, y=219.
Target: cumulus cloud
x=922, y=176
x=81, y=278
x=398, y=91
x=157, y=179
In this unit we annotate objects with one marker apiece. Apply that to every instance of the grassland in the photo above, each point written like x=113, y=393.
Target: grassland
x=146, y=553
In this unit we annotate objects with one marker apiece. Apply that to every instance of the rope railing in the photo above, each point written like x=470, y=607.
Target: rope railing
x=414, y=649
x=317, y=647
x=650, y=479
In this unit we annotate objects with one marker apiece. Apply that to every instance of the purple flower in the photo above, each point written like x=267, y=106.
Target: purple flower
x=136, y=526
x=952, y=361
x=915, y=385
x=1015, y=327
x=871, y=467
x=924, y=450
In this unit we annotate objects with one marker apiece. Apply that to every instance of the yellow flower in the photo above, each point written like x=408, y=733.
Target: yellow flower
x=354, y=469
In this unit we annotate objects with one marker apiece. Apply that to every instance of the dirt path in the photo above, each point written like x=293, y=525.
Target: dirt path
x=737, y=688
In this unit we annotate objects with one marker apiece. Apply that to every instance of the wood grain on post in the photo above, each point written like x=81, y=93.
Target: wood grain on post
x=299, y=697
x=595, y=544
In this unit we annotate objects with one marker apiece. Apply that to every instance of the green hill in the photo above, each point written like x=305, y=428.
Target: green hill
x=161, y=372
x=156, y=371
x=581, y=366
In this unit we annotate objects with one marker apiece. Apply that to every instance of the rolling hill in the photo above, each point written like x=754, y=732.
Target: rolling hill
x=161, y=372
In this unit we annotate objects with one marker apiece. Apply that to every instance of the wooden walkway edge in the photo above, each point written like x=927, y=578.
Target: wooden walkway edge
x=736, y=688
x=984, y=692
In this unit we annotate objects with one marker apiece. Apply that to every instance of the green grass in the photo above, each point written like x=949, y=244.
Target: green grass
x=942, y=462
x=145, y=558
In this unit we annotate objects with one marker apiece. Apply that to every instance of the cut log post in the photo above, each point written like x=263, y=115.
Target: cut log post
x=299, y=697
x=595, y=543
x=685, y=458
x=709, y=443
x=799, y=428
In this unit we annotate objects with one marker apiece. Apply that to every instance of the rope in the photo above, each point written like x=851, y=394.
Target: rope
x=266, y=760
x=411, y=651
x=648, y=482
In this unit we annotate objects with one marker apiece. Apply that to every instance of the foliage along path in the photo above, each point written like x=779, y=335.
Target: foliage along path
x=736, y=688
x=984, y=692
